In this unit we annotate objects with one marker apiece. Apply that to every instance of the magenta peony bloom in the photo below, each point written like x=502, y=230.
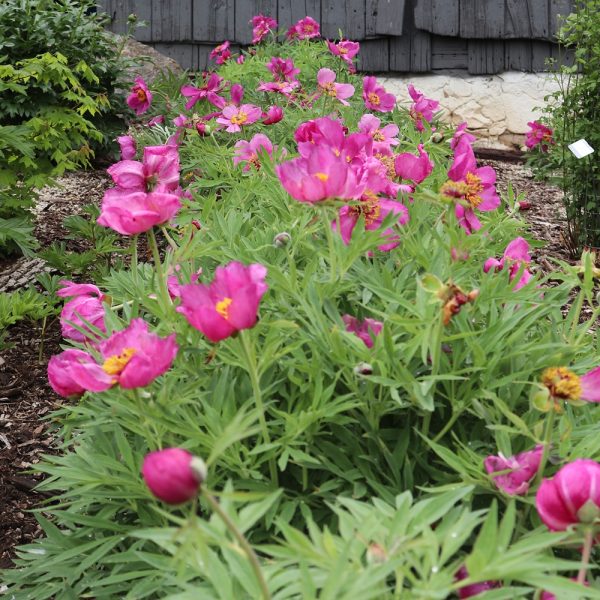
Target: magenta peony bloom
x=375, y=96
x=460, y=133
x=413, y=168
x=304, y=29
x=383, y=137
x=515, y=256
x=221, y=54
x=539, y=134
x=247, y=152
x=73, y=372
x=422, y=108
x=87, y=304
x=211, y=85
x=173, y=475
x=327, y=85
x=319, y=176
x=365, y=330
x=473, y=187
x=236, y=117
x=228, y=304
x=571, y=497
x=522, y=469
x=286, y=88
x=468, y=591
x=273, y=115
x=127, y=145
x=261, y=27
x=140, y=97
x=283, y=69
x=346, y=50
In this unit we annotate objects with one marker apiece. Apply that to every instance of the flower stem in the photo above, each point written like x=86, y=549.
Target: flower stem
x=165, y=300
x=243, y=542
x=134, y=260
x=588, y=541
x=251, y=368
x=331, y=246
x=548, y=430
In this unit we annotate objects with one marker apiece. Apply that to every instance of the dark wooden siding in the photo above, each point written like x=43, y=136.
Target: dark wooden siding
x=481, y=36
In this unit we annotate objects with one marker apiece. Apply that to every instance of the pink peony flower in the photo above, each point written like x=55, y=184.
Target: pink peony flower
x=515, y=256
x=158, y=120
x=273, y=115
x=571, y=497
x=460, y=133
x=283, y=69
x=127, y=145
x=539, y=134
x=327, y=85
x=73, y=372
x=235, y=117
x=422, y=108
x=472, y=187
x=474, y=589
x=365, y=330
x=261, y=27
x=319, y=176
x=173, y=475
x=346, y=50
x=383, y=137
x=140, y=97
x=247, y=152
x=87, y=304
x=304, y=29
x=375, y=96
x=286, y=88
x=413, y=168
x=228, y=304
x=522, y=469
x=211, y=85
x=563, y=384
x=221, y=54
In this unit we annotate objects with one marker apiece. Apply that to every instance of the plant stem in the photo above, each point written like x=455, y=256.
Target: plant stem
x=251, y=368
x=165, y=299
x=134, y=260
x=331, y=246
x=549, y=426
x=42, y=337
x=588, y=541
x=243, y=542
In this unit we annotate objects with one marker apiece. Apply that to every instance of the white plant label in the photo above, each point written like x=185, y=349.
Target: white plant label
x=580, y=148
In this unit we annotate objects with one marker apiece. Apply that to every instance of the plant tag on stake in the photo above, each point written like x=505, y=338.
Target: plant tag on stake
x=580, y=148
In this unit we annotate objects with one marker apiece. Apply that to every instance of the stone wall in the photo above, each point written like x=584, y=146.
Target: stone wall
x=497, y=108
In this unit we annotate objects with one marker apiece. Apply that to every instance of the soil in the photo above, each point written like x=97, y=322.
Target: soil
x=26, y=400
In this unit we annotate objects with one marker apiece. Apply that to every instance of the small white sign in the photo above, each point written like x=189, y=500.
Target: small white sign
x=580, y=148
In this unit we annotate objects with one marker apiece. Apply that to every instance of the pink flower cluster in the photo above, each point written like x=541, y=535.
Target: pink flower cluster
x=140, y=97
x=86, y=308
x=422, y=108
x=304, y=29
x=221, y=54
x=261, y=27
x=539, y=135
x=516, y=257
x=346, y=50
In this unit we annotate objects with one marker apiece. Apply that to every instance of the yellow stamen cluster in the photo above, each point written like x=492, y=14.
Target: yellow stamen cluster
x=562, y=383
x=389, y=163
x=222, y=307
x=141, y=95
x=114, y=365
x=322, y=176
x=329, y=89
x=240, y=118
x=378, y=136
x=373, y=98
x=369, y=207
x=475, y=188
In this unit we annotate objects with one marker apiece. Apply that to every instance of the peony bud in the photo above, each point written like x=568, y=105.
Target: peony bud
x=282, y=239
x=173, y=475
x=363, y=369
x=474, y=589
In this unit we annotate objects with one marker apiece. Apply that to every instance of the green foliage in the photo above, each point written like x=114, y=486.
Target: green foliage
x=28, y=304
x=572, y=112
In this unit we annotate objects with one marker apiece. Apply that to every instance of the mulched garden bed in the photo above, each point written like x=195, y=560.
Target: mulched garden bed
x=25, y=397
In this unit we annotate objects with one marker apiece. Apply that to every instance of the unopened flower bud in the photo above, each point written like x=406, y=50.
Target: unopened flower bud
x=437, y=137
x=363, y=369
x=376, y=554
x=132, y=18
x=524, y=205
x=282, y=239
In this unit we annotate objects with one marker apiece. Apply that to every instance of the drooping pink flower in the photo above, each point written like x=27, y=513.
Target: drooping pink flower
x=127, y=145
x=413, y=168
x=474, y=589
x=375, y=96
x=319, y=176
x=235, y=117
x=515, y=257
x=261, y=27
x=211, y=84
x=140, y=97
x=273, y=115
x=564, y=384
x=304, y=29
x=286, y=88
x=472, y=187
x=173, y=475
x=283, y=69
x=73, y=372
x=247, y=152
x=571, y=497
x=366, y=330
x=327, y=85
x=539, y=134
x=522, y=468
x=461, y=133
x=228, y=304
x=422, y=108
x=383, y=137
x=221, y=54
x=86, y=305
x=346, y=50
x=158, y=120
